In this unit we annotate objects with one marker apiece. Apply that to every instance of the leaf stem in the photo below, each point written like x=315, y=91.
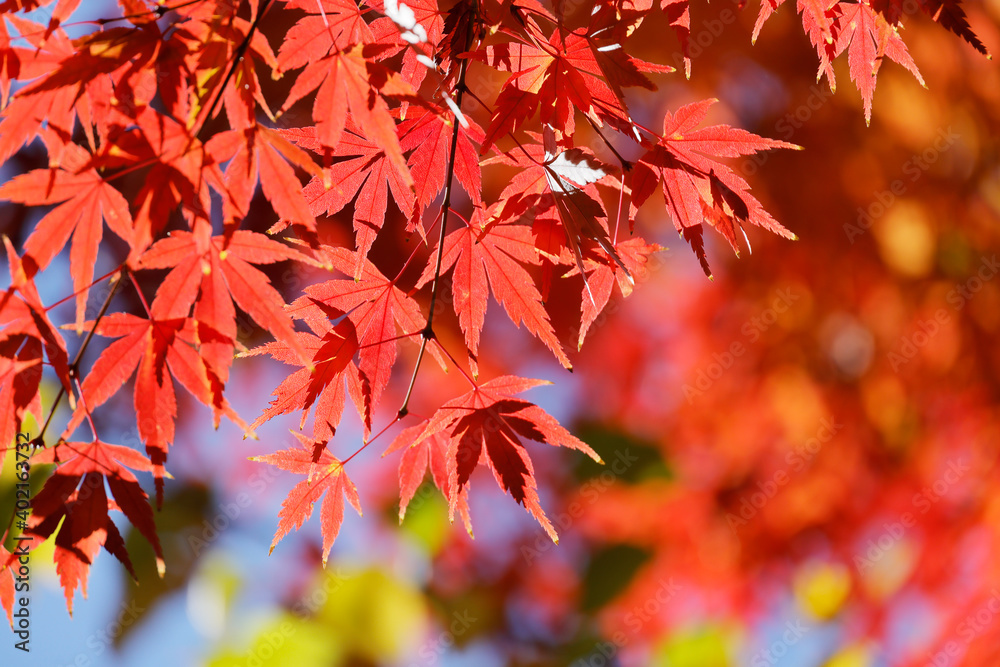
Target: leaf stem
x=86, y=287
x=455, y=361
x=142, y=297
x=390, y=340
x=370, y=440
x=413, y=254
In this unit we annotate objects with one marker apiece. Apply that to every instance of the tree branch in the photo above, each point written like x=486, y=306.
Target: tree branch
x=428, y=332
x=74, y=368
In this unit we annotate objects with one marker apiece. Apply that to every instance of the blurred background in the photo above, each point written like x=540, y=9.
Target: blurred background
x=801, y=454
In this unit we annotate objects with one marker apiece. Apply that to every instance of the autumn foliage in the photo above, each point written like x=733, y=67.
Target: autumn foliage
x=161, y=122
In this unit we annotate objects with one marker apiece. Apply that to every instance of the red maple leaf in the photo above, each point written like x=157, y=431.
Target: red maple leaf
x=160, y=348
x=75, y=495
x=868, y=37
x=324, y=474
x=370, y=177
x=328, y=25
x=488, y=425
x=260, y=153
x=55, y=107
x=601, y=277
x=558, y=185
x=948, y=13
x=492, y=260
x=698, y=188
x=820, y=20
x=429, y=137
x=331, y=358
x=83, y=199
x=376, y=307
x=566, y=72
x=20, y=377
x=212, y=273
x=26, y=331
x=180, y=171
x=430, y=453
x=353, y=77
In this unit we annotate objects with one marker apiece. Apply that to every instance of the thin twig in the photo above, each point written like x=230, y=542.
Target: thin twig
x=428, y=332
x=74, y=368
x=237, y=57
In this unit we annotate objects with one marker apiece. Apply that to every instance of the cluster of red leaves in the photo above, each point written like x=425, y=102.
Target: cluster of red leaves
x=172, y=94
x=869, y=32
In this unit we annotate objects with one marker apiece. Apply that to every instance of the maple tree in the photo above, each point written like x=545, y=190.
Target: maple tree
x=160, y=123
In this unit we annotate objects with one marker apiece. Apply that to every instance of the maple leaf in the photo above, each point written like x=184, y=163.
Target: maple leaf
x=75, y=495
x=376, y=307
x=430, y=453
x=154, y=347
x=20, y=377
x=324, y=475
x=429, y=137
x=181, y=169
x=263, y=154
x=697, y=188
x=623, y=17
x=84, y=199
x=545, y=77
x=424, y=20
x=122, y=49
x=353, y=77
x=868, y=37
x=557, y=185
x=679, y=16
x=532, y=67
x=602, y=276
x=328, y=25
x=218, y=271
x=55, y=107
x=558, y=75
x=370, y=177
x=821, y=22
x=26, y=331
x=487, y=424
x=949, y=13
x=217, y=38
x=868, y=31
x=10, y=66
x=332, y=355
x=492, y=260
x=567, y=173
